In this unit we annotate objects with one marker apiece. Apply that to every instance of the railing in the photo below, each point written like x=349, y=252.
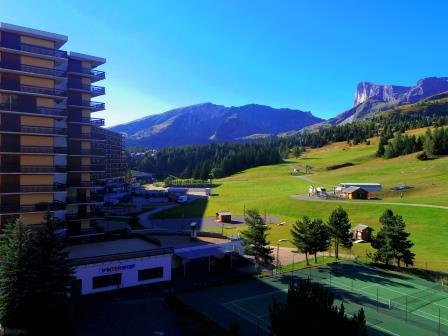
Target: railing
x=5, y=188
x=83, y=184
x=33, y=69
x=85, y=215
x=97, y=74
x=35, y=89
x=41, y=169
x=37, y=110
x=88, y=136
x=91, y=121
x=36, y=49
x=35, y=150
x=85, y=199
x=86, y=151
x=43, y=130
x=85, y=168
x=93, y=89
x=15, y=208
x=97, y=106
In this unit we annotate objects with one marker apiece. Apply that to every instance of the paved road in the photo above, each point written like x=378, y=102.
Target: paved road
x=305, y=197
x=203, y=223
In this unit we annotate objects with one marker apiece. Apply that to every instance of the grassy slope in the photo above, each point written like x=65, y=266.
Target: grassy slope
x=270, y=188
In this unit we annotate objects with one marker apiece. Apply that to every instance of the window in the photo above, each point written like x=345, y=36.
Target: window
x=106, y=280
x=150, y=273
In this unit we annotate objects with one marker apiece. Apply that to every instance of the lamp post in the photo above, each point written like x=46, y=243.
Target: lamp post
x=278, y=249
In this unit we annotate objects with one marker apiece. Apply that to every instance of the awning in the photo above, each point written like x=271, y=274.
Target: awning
x=200, y=253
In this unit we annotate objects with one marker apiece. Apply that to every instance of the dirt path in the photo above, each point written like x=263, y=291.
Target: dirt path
x=318, y=199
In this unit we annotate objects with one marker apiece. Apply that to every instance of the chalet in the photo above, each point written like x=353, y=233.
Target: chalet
x=369, y=187
x=362, y=232
x=355, y=193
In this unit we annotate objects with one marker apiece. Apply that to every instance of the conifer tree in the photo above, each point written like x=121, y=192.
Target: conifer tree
x=14, y=244
x=340, y=229
x=50, y=278
x=255, y=238
x=300, y=233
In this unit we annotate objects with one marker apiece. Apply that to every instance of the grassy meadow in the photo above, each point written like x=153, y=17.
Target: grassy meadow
x=269, y=188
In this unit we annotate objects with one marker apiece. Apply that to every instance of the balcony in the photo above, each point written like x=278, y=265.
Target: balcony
x=92, y=89
x=34, y=90
x=39, y=207
x=85, y=215
x=34, y=150
x=96, y=75
x=17, y=169
x=34, y=130
x=87, y=104
x=33, y=69
x=90, y=121
x=85, y=168
x=88, y=136
x=5, y=188
x=52, y=111
x=30, y=48
x=86, y=151
x=84, y=199
x=83, y=184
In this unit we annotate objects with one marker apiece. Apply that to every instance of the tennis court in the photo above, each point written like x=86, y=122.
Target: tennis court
x=395, y=304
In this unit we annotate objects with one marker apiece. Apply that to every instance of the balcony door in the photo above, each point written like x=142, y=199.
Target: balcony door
x=27, y=103
x=10, y=122
x=10, y=61
x=10, y=143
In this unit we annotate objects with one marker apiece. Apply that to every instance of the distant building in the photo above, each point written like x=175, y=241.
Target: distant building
x=369, y=187
x=355, y=193
x=224, y=217
x=141, y=176
x=115, y=166
x=362, y=232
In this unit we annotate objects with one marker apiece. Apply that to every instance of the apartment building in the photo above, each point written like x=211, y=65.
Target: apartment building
x=113, y=155
x=50, y=146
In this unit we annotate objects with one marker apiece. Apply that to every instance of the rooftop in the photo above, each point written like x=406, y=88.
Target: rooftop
x=104, y=248
x=360, y=184
x=351, y=189
x=96, y=61
x=57, y=38
x=181, y=241
x=360, y=227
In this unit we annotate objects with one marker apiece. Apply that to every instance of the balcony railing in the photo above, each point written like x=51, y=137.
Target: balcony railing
x=86, y=215
x=96, y=74
x=95, y=106
x=88, y=136
x=34, y=150
x=91, y=121
x=5, y=188
x=35, y=49
x=43, y=130
x=44, y=206
x=83, y=184
x=86, y=151
x=85, y=168
x=35, y=110
x=34, y=89
x=33, y=69
x=85, y=199
x=93, y=89
x=31, y=169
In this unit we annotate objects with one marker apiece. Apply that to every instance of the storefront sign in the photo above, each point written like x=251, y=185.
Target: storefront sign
x=117, y=268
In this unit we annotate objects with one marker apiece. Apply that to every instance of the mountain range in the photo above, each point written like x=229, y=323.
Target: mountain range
x=208, y=123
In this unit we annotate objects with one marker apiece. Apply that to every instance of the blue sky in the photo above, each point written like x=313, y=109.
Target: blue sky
x=308, y=55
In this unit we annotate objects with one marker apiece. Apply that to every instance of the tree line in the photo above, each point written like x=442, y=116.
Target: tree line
x=220, y=160
x=433, y=143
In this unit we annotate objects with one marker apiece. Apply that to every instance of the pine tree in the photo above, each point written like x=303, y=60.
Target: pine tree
x=255, y=238
x=14, y=274
x=319, y=237
x=50, y=278
x=300, y=233
x=340, y=229
x=392, y=241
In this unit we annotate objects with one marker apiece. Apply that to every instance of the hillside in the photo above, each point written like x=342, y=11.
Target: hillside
x=270, y=189
x=210, y=123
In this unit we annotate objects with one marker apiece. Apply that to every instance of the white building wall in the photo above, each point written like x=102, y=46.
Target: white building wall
x=129, y=272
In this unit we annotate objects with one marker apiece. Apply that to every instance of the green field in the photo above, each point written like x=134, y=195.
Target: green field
x=269, y=188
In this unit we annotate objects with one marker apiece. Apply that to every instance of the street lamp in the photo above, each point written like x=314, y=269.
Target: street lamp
x=278, y=249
